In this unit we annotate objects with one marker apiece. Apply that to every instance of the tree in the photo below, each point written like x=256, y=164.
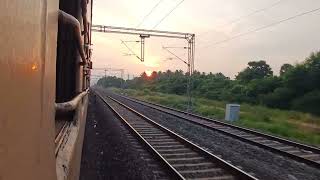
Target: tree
x=256, y=70
x=308, y=103
x=312, y=64
x=280, y=98
x=144, y=75
x=211, y=86
x=297, y=88
x=285, y=68
x=111, y=82
x=297, y=79
x=237, y=93
x=258, y=87
x=154, y=75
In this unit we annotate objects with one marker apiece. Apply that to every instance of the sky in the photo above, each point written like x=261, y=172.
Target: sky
x=211, y=21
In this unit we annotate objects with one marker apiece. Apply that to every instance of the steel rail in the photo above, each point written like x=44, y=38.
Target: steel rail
x=236, y=172
x=173, y=172
x=305, y=154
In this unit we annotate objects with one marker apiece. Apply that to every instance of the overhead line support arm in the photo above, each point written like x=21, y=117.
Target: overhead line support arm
x=145, y=33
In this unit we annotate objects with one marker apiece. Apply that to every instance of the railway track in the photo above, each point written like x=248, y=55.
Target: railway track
x=300, y=152
x=182, y=158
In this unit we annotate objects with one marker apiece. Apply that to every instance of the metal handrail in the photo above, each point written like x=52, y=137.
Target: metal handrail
x=70, y=105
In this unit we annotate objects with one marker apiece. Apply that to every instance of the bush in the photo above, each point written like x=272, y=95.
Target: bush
x=263, y=86
x=308, y=103
x=280, y=98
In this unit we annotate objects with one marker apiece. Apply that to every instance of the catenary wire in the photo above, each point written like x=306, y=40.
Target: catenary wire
x=261, y=28
x=151, y=11
x=158, y=23
x=246, y=16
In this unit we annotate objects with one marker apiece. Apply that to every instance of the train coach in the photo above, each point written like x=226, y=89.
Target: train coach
x=45, y=74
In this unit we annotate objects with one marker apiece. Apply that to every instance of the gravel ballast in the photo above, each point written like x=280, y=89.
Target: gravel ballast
x=263, y=164
x=111, y=152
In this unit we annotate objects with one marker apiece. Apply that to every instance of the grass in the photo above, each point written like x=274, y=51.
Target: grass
x=297, y=126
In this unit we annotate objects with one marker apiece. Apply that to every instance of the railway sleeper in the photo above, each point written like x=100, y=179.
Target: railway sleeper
x=256, y=138
x=181, y=155
x=204, y=173
x=272, y=144
x=149, y=129
x=234, y=131
x=178, y=154
x=175, y=161
x=225, y=177
x=166, y=151
x=215, y=126
x=265, y=141
x=286, y=148
x=196, y=166
x=156, y=136
x=297, y=152
x=311, y=156
x=161, y=140
x=150, y=132
x=177, y=146
x=164, y=143
x=223, y=128
x=247, y=136
x=140, y=124
x=143, y=127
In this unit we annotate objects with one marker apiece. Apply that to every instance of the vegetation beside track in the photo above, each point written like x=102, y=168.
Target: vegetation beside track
x=293, y=125
x=285, y=103
x=295, y=87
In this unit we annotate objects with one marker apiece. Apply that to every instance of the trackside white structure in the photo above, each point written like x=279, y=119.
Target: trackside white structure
x=232, y=112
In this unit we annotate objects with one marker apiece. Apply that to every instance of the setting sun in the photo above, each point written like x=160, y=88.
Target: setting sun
x=151, y=61
x=148, y=72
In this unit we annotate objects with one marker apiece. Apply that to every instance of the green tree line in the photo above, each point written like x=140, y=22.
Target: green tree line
x=297, y=87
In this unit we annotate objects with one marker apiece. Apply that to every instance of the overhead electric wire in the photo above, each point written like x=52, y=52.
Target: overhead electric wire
x=151, y=11
x=166, y=17
x=261, y=28
x=144, y=18
x=176, y=56
x=129, y=49
x=168, y=14
x=157, y=24
x=255, y=12
x=246, y=16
